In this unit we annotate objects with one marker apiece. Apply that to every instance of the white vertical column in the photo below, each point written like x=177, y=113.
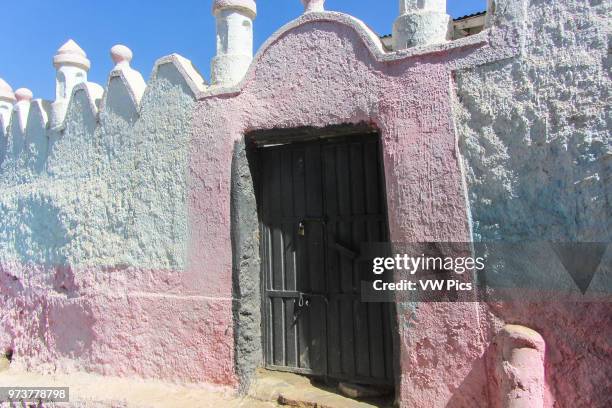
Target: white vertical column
x=421, y=22
x=313, y=5
x=234, y=40
x=72, y=66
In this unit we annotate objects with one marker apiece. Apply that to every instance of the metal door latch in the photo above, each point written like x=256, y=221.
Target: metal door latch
x=303, y=300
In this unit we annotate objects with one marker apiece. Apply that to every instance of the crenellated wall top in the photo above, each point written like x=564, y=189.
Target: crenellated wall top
x=234, y=62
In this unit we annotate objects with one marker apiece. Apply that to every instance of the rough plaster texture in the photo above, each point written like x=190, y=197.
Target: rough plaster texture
x=534, y=133
x=343, y=81
x=129, y=236
x=517, y=364
x=246, y=268
x=535, y=130
x=94, y=265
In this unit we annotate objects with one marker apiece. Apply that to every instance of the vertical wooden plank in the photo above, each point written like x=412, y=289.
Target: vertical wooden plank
x=277, y=258
x=277, y=334
x=357, y=178
x=267, y=305
x=376, y=334
x=289, y=222
x=265, y=194
x=267, y=174
x=270, y=328
x=286, y=181
x=289, y=250
x=315, y=239
x=290, y=330
x=301, y=326
x=388, y=340
x=289, y=236
x=359, y=235
x=331, y=210
x=372, y=179
x=299, y=182
x=299, y=210
x=314, y=199
x=344, y=237
x=274, y=181
x=330, y=188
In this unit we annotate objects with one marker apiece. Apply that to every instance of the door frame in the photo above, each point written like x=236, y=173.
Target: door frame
x=247, y=272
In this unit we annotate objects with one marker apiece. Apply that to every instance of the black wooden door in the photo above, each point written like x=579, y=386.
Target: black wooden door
x=319, y=201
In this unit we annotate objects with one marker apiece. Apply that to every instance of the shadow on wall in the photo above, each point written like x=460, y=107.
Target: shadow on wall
x=71, y=327
x=470, y=392
x=42, y=235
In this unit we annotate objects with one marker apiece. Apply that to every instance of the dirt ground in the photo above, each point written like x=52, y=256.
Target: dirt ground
x=93, y=391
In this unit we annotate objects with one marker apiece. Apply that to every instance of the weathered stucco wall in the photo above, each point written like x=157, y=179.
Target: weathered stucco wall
x=94, y=262
x=129, y=236
x=534, y=132
x=535, y=129
x=347, y=79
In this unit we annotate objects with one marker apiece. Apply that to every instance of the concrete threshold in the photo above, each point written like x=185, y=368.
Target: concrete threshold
x=294, y=390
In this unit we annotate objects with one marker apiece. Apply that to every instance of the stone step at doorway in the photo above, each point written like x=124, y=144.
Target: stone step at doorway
x=294, y=390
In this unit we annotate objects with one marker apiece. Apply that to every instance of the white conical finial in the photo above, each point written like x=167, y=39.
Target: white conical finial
x=71, y=54
x=72, y=66
x=313, y=5
x=121, y=55
x=22, y=107
x=23, y=94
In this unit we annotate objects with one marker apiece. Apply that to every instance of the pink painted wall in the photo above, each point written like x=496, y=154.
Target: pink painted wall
x=326, y=71
x=121, y=323
x=322, y=73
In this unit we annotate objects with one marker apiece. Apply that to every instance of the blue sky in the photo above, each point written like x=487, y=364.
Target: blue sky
x=34, y=29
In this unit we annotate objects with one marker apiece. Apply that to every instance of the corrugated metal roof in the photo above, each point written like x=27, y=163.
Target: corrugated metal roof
x=478, y=14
